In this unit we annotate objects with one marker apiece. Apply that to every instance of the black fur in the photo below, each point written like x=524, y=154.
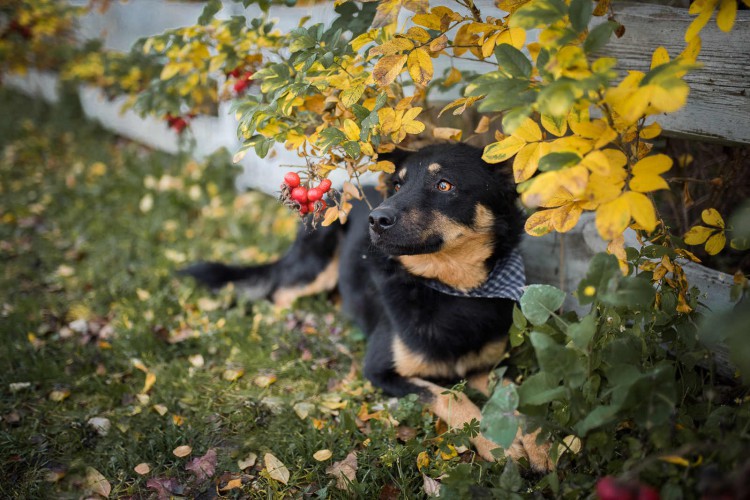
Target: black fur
x=377, y=290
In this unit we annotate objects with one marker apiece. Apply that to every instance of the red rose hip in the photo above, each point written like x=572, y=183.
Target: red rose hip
x=314, y=194
x=291, y=179
x=325, y=185
x=299, y=194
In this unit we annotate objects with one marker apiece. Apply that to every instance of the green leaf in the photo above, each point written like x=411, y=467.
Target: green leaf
x=510, y=479
x=635, y=292
x=602, y=270
x=558, y=360
x=331, y=137
x=209, y=11
x=556, y=161
x=538, y=13
x=599, y=416
x=539, y=389
x=499, y=420
x=580, y=14
x=556, y=98
x=513, y=61
x=518, y=318
x=540, y=301
x=352, y=149
x=301, y=40
x=599, y=36
x=582, y=332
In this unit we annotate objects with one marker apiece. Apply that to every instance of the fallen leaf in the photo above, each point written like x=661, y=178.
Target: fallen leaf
x=182, y=451
x=203, y=467
x=431, y=486
x=100, y=424
x=207, y=305
x=406, y=433
x=97, y=483
x=60, y=395
x=345, y=471
x=142, y=469
x=303, y=409
x=197, y=360
x=322, y=455
x=160, y=409
x=264, y=381
x=276, y=469
x=178, y=420
x=230, y=375
x=149, y=382
x=248, y=461
x=164, y=487
x=232, y=484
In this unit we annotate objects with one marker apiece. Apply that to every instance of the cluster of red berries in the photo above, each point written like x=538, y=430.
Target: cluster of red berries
x=242, y=78
x=610, y=488
x=178, y=123
x=302, y=199
x=14, y=26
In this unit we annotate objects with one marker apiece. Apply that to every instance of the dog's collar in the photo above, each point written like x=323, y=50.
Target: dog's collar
x=505, y=281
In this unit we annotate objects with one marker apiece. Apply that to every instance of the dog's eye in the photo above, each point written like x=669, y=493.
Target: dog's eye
x=396, y=186
x=444, y=185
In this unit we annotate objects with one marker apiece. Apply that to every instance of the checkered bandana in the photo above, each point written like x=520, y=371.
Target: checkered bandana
x=505, y=281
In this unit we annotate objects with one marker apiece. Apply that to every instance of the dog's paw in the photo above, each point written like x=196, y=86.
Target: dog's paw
x=536, y=453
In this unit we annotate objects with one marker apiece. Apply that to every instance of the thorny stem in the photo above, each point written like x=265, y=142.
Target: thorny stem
x=469, y=4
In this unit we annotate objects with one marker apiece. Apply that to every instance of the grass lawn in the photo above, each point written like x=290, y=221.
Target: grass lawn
x=111, y=363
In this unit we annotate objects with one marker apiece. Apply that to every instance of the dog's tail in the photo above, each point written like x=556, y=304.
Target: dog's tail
x=310, y=266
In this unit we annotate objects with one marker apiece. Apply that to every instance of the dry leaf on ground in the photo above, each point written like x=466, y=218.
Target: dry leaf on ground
x=322, y=455
x=182, y=451
x=345, y=471
x=142, y=469
x=97, y=483
x=203, y=467
x=276, y=469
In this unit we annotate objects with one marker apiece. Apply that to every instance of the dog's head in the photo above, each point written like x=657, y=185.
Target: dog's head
x=447, y=212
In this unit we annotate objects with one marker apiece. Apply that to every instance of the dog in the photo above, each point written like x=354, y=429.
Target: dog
x=430, y=275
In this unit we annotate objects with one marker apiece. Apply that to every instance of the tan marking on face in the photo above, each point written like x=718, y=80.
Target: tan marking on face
x=460, y=263
x=434, y=168
x=324, y=282
x=408, y=363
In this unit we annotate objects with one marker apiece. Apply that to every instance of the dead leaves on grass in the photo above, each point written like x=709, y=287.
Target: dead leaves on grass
x=344, y=471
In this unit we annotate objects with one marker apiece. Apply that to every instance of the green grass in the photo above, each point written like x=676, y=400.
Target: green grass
x=93, y=228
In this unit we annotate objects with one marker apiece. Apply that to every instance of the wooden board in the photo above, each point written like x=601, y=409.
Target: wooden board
x=718, y=107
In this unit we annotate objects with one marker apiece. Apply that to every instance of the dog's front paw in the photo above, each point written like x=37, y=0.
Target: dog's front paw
x=524, y=446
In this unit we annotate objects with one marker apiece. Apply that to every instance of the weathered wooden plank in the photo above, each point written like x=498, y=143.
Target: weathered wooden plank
x=719, y=103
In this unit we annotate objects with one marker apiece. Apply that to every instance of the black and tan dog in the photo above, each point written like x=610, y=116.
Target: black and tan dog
x=430, y=275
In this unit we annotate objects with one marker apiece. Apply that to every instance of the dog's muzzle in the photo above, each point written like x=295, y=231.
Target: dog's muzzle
x=382, y=218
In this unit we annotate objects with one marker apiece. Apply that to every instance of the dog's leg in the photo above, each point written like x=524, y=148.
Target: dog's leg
x=524, y=445
x=310, y=266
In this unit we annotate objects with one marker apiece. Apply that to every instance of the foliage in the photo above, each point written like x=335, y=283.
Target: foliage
x=628, y=388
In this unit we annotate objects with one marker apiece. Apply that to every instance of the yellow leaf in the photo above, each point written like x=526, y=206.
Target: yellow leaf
x=539, y=223
x=142, y=469
x=692, y=49
x=488, y=46
x=447, y=133
x=712, y=217
x=674, y=459
x=352, y=95
x=231, y=375
x=276, y=468
x=423, y=460
x=439, y=43
x=726, y=16
x=641, y=209
x=669, y=99
x=388, y=68
x=351, y=130
x=528, y=131
x=454, y=76
x=429, y=21
x=383, y=166
x=645, y=183
x=332, y=215
x=716, y=243
x=182, y=451
x=706, y=9
x=232, y=484
x=613, y=217
x=59, y=395
x=574, y=179
x=597, y=162
x=322, y=455
x=503, y=150
x=541, y=189
x=417, y=34
x=420, y=66
x=169, y=70
x=483, y=125
x=513, y=36
x=566, y=217
x=655, y=164
x=526, y=162
x=149, y=383
x=264, y=381
x=659, y=57
x=697, y=235
x=556, y=126
x=616, y=159
x=392, y=46
x=650, y=131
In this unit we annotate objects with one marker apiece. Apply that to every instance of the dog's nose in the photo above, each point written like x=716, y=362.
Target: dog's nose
x=382, y=218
